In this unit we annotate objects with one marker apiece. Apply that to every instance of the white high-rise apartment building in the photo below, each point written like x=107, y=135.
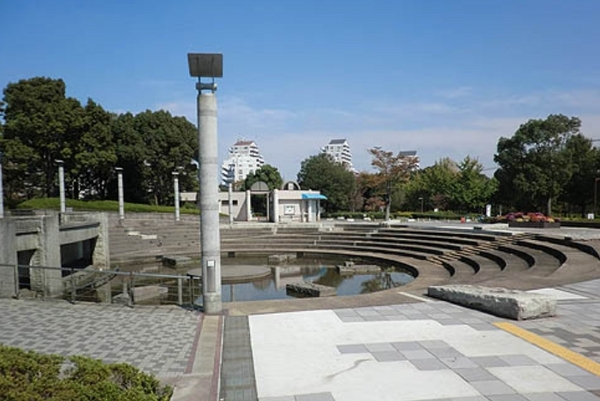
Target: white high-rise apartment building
x=339, y=149
x=244, y=158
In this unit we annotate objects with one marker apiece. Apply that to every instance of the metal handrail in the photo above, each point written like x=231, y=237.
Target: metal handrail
x=72, y=286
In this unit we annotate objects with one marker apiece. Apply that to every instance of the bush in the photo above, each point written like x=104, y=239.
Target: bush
x=29, y=376
x=536, y=217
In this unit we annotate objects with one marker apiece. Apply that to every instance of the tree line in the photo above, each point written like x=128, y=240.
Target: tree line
x=546, y=165
x=42, y=125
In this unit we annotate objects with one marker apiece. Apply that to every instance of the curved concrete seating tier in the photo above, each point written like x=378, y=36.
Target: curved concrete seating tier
x=435, y=255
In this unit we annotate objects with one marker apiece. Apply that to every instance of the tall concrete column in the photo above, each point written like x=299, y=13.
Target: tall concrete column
x=209, y=202
x=230, y=202
x=61, y=185
x=276, y=205
x=120, y=189
x=176, y=194
x=49, y=282
x=8, y=258
x=248, y=206
x=101, y=253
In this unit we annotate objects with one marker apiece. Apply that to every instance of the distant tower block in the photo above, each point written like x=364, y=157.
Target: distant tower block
x=244, y=158
x=339, y=149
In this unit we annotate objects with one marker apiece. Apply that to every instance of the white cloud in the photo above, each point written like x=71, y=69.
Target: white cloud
x=454, y=93
x=434, y=129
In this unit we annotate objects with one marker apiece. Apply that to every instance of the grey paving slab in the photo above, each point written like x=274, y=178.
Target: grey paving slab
x=587, y=382
x=507, y=397
x=388, y=356
x=543, y=397
x=567, y=369
x=428, y=364
x=517, y=360
x=417, y=354
x=492, y=387
x=460, y=362
x=474, y=374
x=315, y=397
x=352, y=349
x=158, y=340
x=407, y=345
x=378, y=347
x=579, y=396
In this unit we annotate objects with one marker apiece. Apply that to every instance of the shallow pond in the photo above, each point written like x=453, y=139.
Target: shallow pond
x=318, y=271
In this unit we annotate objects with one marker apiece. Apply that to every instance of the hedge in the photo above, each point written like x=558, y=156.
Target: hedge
x=30, y=376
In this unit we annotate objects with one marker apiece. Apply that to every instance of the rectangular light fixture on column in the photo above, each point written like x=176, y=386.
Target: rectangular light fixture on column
x=206, y=64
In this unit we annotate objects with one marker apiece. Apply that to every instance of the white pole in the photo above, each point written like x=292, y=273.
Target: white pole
x=230, y=201
x=120, y=188
x=209, y=201
x=61, y=185
x=176, y=191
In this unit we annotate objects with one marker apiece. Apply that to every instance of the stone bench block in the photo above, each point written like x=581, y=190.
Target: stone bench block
x=281, y=258
x=512, y=304
x=308, y=289
x=348, y=270
x=175, y=261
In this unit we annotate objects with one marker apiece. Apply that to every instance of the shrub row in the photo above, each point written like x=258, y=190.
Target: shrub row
x=30, y=376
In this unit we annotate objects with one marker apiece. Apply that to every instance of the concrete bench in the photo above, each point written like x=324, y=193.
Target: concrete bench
x=512, y=304
x=307, y=289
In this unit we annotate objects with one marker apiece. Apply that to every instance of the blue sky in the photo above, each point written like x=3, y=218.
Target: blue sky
x=443, y=77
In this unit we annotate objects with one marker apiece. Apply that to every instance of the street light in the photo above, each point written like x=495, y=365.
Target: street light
x=61, y=184
x=208, y=66
x=119, y=171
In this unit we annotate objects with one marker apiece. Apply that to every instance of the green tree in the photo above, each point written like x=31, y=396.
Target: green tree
x=392, y=170
x=267, y=174
x=151, y=146
x=472, y=189
x=39, y=120
x=580, y=189
x=94, y=154
x=321, y=172
x=366, y=194
x=535, y=163
x=433, y=185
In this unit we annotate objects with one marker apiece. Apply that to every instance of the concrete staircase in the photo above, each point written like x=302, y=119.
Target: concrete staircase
x=435, y=256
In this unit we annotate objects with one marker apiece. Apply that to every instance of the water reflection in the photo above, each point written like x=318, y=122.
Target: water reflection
x=274, y=286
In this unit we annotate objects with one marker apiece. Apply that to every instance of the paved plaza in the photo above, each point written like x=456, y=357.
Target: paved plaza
x=424, y=350
x=409, y=347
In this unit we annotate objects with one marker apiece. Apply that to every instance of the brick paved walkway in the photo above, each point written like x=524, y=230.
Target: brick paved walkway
x=425, y=351
x=158, y=340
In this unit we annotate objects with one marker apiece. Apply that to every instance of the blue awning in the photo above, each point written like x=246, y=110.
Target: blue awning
x=313, y=196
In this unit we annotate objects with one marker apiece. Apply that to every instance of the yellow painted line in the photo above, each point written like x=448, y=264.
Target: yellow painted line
x=552, y=347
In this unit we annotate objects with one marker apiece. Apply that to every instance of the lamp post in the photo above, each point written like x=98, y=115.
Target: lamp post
x=61, y=185
x=119, y=171
x=208, y=66
x=230, y=202
x=595, y=194
x=1, y=188
x=176, y=193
